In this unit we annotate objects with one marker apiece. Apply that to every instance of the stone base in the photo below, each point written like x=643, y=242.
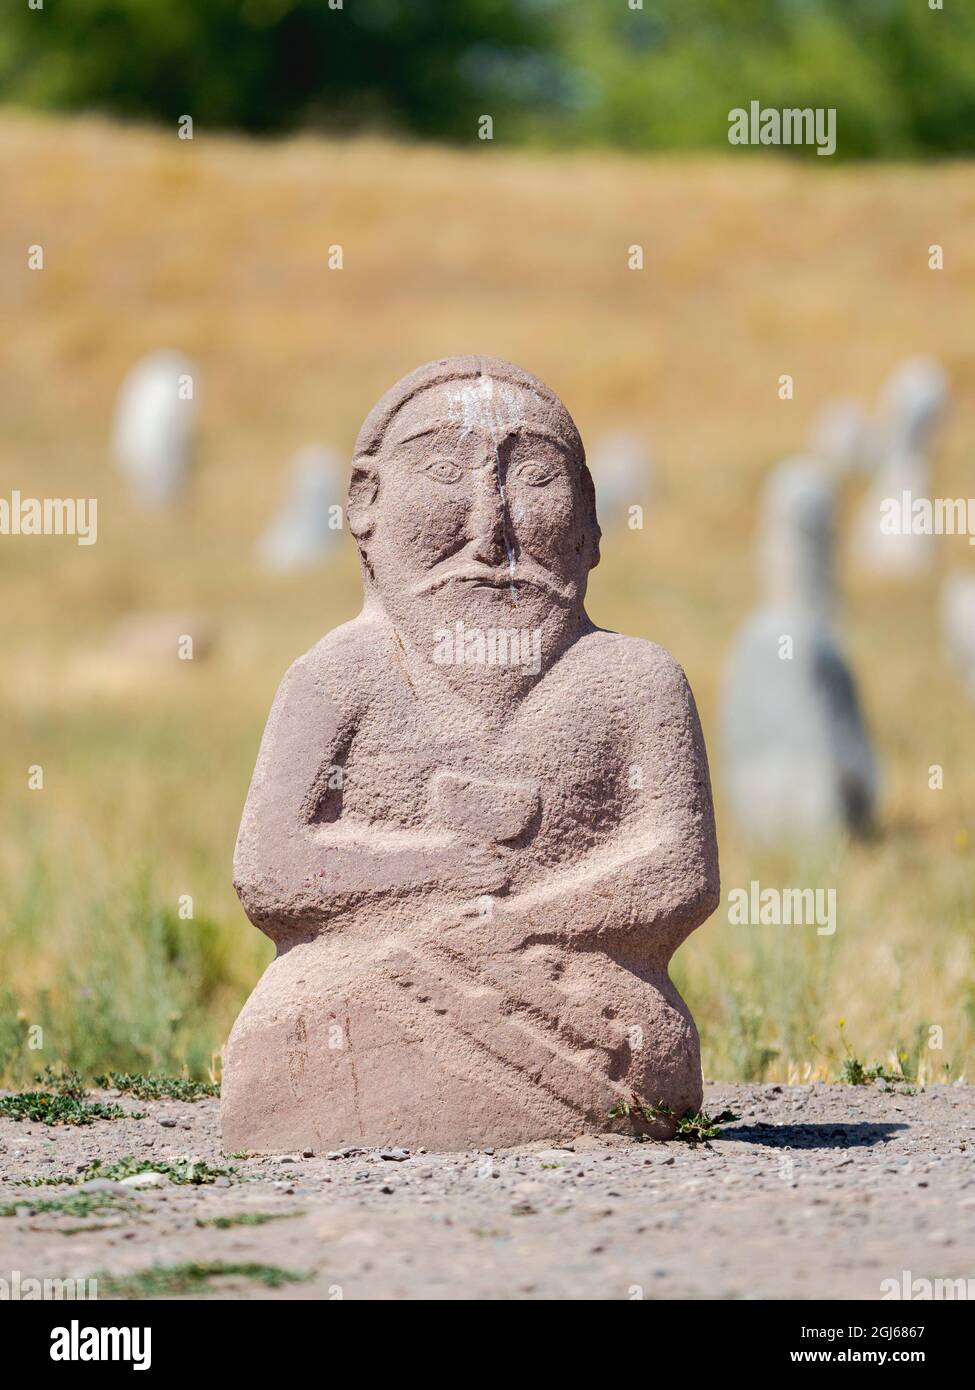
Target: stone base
x=397, y=1043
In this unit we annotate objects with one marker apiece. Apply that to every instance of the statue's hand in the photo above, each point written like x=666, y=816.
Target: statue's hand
x=477, y=870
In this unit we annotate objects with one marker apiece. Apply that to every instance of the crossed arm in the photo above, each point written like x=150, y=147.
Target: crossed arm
x=293, y=872
x=658, y=878
x=654, y=882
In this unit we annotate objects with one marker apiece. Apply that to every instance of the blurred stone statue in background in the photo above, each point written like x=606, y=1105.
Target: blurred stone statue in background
x=622, y=472
x=843, y=439
x=155, y=423
x=799, y=762
x=913, y=403
x=958, y=626
x=303, y=530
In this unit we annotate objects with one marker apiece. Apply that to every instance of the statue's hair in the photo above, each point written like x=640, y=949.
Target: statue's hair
x=376, y=425
x=443, y=371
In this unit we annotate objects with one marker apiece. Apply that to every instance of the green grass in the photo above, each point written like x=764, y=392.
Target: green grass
x=245, y=1218
x=54, y=1180
x=182, y=1172
x=149, y=1087
x=693, y=1128
x=48, y=1109
x=87, y=1228
x=62, y=1101
x=169, y=1281
x=71, y=1204
x=855, y=1072
x=137, y=992
x=62, y=1080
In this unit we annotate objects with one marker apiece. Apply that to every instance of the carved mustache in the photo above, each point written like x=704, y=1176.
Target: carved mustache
x=518, y=577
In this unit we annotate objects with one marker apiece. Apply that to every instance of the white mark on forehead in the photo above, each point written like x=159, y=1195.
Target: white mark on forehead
x=494, y=406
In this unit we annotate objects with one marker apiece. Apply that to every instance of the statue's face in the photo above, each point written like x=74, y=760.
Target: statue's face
x=479, y=513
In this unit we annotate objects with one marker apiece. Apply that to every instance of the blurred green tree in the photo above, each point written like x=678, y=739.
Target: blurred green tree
x=900, y=74
x=269, y=65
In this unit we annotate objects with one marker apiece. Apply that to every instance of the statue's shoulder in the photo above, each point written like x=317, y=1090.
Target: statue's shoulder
x=344, y=664
x=633, y=663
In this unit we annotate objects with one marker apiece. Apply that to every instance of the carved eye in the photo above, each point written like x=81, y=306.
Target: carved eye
x=535, y=472
x=443, y=469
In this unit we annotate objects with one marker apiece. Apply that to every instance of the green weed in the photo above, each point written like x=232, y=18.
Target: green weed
x=245, y=1218
x=169, y=1281
x=150, y=1087
x=692, y=1128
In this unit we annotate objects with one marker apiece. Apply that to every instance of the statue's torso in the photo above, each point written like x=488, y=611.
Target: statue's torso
x=548, y=778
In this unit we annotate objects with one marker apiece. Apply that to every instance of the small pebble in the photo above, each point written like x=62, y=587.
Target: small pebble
x=141, y=1180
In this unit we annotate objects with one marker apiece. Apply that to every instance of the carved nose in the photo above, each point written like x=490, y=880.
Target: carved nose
x=487, y=521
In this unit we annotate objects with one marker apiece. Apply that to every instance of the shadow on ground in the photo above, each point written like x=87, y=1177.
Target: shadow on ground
x=813, y=1136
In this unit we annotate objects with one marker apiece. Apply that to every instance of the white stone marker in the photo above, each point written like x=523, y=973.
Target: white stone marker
x=958, y=625
x=303, y=529
x=155, y=422
x=622, y=473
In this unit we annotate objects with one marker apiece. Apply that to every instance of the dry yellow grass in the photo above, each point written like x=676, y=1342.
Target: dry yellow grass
x=219, y=248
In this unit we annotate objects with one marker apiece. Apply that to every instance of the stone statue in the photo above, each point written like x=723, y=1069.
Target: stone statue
x=799, y=762
x=154, y=432
x=843, y=439
x=622, y=470
x=302, y=531
x=958, y=625
x=914, y=401
x=479, y=825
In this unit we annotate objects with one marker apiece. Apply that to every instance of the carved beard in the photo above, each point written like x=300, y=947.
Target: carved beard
x=478, y=638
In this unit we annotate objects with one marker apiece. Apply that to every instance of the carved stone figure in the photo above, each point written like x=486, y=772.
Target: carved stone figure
x=479, y=825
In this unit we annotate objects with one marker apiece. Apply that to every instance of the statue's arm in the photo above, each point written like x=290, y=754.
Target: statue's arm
x=657, y=879
x=292, y=871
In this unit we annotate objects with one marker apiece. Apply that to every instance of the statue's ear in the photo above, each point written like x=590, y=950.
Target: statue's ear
x=593, y=531
x=597, y=533
x=363, y=491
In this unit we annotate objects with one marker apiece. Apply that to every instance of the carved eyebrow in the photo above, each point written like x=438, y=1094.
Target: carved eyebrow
x=541, y=431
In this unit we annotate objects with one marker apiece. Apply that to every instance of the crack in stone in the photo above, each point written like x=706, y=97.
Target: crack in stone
x=510, y=544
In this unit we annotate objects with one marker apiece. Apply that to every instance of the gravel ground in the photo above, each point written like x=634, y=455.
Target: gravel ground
x=816, y=1191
